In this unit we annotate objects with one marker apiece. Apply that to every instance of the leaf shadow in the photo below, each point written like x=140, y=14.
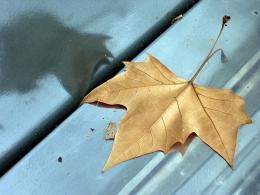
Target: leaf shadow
x=104, y=105
x=182, y=148
x=34, y=45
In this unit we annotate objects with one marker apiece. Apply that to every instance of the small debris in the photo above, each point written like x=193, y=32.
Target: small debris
x=60, y=159
x=177, y=18
x=111, y=131
x=92, y=129
x=255, y=12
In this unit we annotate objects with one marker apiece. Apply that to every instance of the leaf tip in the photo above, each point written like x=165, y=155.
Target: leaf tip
x=249, y=120
x=87, y=99
x=126, y=63
x=231, y=163
x=106, y=167
x=149, y=57
x=84, y=100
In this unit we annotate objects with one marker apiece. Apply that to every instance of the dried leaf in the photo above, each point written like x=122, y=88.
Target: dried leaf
x=163, y=110
x=111, y=129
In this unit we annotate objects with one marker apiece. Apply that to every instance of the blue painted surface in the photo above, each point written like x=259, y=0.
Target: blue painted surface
x=181, y=48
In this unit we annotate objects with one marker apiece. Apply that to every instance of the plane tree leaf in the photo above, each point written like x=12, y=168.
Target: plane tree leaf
x=164, y=110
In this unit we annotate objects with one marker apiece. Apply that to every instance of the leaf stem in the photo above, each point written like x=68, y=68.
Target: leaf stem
x=224, y=21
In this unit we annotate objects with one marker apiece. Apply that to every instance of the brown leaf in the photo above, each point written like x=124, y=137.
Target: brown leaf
x=163, y=110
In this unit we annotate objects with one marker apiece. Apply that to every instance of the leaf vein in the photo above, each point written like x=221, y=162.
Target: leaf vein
x=166, y=136
x=162, y=73
x=149, y=75
x=147, y=86
x=133, y=79
x=150, y=129
x=217, y=110
x=180, y=116
x=224, y=100
x=210, y=120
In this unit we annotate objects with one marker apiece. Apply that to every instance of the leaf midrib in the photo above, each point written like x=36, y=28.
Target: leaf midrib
x=145, y=87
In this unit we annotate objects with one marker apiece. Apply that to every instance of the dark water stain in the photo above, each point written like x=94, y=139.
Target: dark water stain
x=37, y=44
